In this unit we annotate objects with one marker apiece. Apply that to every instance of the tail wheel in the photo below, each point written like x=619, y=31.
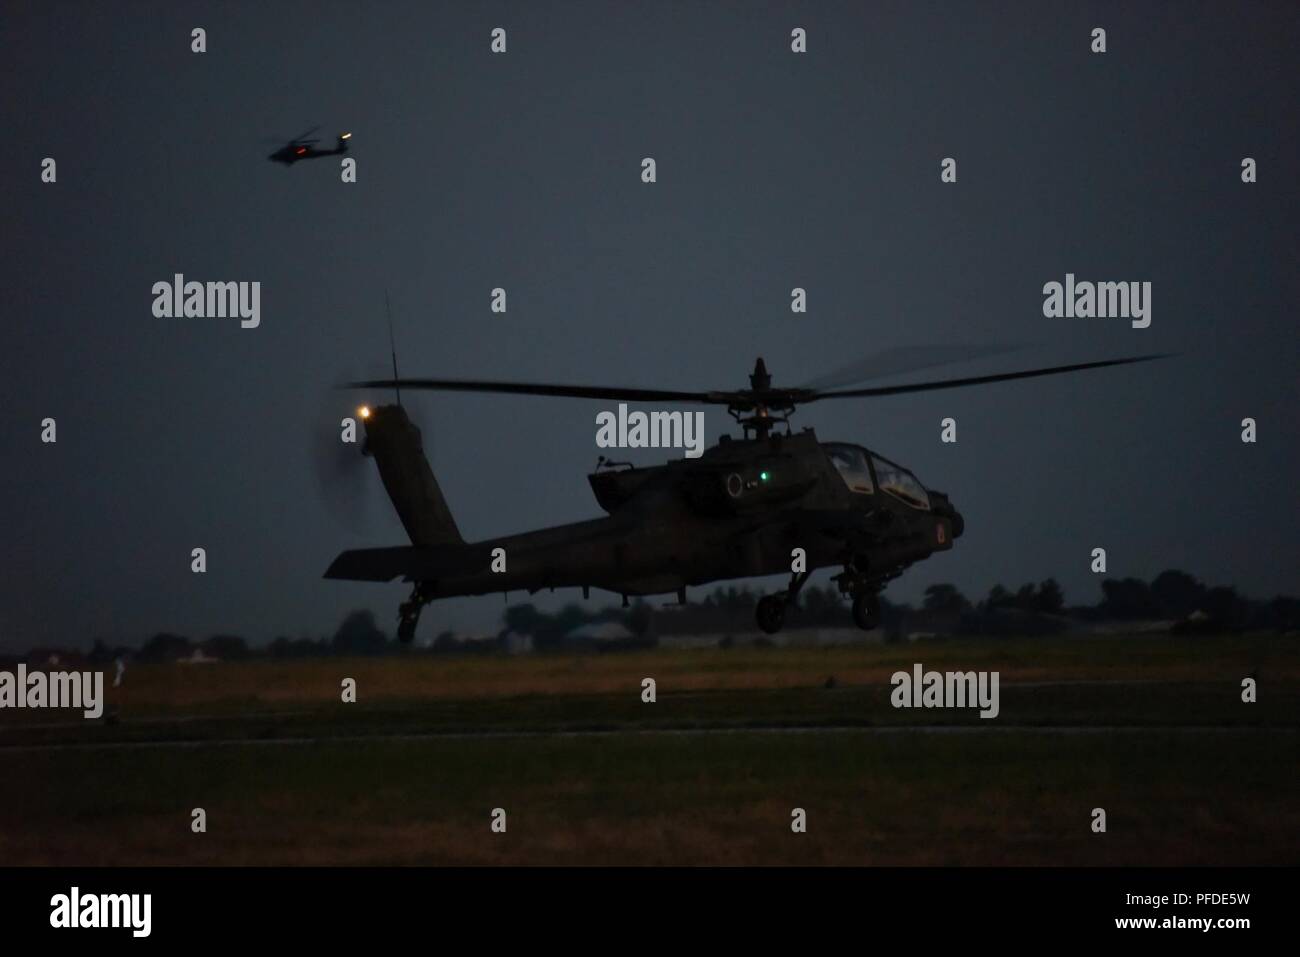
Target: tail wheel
x=770, y=614
x=866, y=610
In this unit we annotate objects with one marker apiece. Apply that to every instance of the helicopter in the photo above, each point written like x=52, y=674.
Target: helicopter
x=301, y=148
x=747, y=506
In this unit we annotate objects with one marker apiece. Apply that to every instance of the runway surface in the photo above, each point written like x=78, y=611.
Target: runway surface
x=647, y=732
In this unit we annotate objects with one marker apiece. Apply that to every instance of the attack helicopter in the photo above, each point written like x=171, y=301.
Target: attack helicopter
x=301, y=148
x=741, y=509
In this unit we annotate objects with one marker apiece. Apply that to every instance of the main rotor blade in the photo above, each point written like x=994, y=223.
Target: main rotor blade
x=978, y=380
x=903, y=359
x=541, y=388
x=298, y=138
x=745, y=398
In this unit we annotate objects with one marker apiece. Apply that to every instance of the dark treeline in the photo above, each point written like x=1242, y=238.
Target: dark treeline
x=1174, y=599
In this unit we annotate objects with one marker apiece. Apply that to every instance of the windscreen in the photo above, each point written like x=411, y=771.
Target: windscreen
x=851, y=462
x=900, y=483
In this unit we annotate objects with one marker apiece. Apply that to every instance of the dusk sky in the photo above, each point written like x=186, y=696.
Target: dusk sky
x=522, y=170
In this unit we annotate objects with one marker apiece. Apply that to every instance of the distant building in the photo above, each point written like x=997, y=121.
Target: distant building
x=197, y=657
x=516, y=643
x=597, y=631
x=56, y=658
x=789, y=637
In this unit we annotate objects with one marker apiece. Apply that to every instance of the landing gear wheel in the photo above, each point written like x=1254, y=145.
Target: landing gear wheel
x=866, y=611
x=770, y=613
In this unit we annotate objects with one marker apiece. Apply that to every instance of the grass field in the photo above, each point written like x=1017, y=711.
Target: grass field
x=1152, y=729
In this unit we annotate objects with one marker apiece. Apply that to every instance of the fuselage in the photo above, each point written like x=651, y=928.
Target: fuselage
x=293, y=152
x=739, y=511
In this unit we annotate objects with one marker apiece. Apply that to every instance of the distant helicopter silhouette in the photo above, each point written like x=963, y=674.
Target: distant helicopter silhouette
x=301, y=148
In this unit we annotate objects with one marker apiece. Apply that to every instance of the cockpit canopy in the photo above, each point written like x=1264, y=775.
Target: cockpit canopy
x=863, y=471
